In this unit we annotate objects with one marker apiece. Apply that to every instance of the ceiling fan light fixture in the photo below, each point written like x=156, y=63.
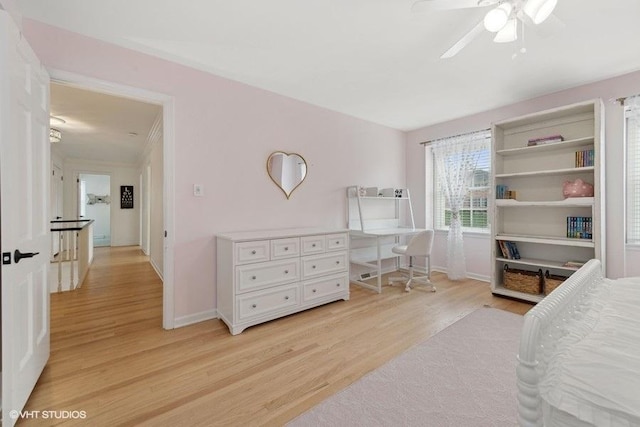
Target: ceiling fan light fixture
x=539, y=10
x=55, y=135
x=56, y=120
x=497, y=18
x=508, y=33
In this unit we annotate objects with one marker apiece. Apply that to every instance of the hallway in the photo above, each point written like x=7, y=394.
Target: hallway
x=97, y=329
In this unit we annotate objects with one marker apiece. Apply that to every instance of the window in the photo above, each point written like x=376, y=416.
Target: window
x=474, y=215
x=632, y=141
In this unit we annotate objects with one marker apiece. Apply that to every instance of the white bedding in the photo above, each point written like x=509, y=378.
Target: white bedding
x=595, y=373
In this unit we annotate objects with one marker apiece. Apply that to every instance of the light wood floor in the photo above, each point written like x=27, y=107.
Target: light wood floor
x=111, y=358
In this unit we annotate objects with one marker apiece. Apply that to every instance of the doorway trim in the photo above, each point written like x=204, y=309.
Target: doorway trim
x=168, y=149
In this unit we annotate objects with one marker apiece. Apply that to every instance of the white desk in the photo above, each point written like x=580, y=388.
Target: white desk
x=372, y=256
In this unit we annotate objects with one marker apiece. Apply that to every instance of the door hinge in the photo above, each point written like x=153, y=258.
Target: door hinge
x=165, y=233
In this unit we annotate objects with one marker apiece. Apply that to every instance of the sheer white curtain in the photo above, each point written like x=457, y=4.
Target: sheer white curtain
x=455, y=159
x=632, y=112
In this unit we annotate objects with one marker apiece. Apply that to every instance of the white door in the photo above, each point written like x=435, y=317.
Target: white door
x=56, y=205
x=56, y=192
x=94, y=194
x=24, y=214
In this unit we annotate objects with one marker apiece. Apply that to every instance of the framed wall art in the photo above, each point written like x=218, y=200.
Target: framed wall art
x=126, y=197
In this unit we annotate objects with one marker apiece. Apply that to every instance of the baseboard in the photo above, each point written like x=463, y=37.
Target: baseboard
x=195, y=318
x=155, y=267
x=479, y=277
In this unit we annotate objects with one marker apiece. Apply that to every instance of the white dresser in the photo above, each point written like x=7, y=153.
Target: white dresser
x=263, y=275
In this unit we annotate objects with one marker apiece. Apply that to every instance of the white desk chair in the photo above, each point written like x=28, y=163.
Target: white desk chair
x=419, y=246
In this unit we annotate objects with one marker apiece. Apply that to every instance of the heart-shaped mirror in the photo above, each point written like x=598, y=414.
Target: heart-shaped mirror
x=287, y=170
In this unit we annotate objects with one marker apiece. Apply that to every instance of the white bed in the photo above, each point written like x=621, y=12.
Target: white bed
x=579, y=356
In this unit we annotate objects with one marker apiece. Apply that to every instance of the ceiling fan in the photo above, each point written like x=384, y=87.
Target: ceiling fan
x=503, y=17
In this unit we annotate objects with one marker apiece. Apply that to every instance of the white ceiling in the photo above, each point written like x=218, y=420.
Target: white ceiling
x=372, y=59
x=101, y=127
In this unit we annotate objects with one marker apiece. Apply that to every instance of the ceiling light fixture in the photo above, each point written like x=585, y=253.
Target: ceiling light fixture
x=56, y=120
x=508, y=33
x=55, y=135
x=539, y=10
x=497, y=18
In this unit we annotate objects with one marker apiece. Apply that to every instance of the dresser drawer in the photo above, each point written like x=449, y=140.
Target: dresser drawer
x=320, y=265
x=248, y=252
x=263, y=303
x=251, y=277
x=337, y=242
x=313, y=244
x=285, y=248
x=317, y=289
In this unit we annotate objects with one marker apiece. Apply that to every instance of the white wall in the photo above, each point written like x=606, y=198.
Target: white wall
x=125, y=223
x=620, y=261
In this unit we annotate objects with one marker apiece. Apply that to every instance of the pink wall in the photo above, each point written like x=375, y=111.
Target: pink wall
x=224, y=132
x=608, y=90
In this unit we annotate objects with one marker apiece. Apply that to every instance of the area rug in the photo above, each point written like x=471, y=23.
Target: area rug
x=462, y=376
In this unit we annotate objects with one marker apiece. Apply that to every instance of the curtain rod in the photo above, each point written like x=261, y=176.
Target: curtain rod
x=453, y=136
x=623, y=99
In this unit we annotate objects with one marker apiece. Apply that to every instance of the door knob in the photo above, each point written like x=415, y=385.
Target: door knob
x=17, y=255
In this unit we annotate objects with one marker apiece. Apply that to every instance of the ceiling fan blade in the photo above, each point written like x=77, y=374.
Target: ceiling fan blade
x=465, y=40
x=551, y=26
x=426, y=5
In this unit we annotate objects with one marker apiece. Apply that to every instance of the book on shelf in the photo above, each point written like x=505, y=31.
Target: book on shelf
x=584, y=158
x=513, y=250
x=579, y=227
x=503, y=249
x=509, y=249
x=503, y=192
x=545, y=140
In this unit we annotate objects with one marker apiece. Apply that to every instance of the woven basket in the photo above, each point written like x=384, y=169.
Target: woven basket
x=551, y=282
x=529, y=282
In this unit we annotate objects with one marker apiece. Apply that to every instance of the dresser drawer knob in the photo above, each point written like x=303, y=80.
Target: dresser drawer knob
x=253, y=277
x=286, y=272
x=337, y=262
x=286, y=248
x=337, y=242
x=286, y=297
x=313, y=266
x=338, y=284
x=314, y=291
x=253, y=252
x=253, y=306
x=313, y=245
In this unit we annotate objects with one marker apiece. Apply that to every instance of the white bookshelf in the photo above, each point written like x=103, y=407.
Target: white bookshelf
x=536, y=221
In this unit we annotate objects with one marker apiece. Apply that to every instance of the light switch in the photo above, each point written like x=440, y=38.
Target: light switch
x=198, y=190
